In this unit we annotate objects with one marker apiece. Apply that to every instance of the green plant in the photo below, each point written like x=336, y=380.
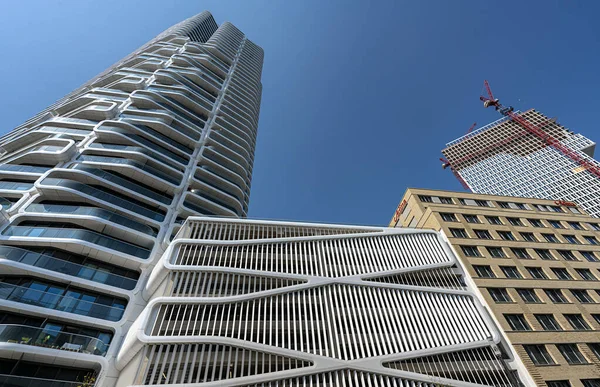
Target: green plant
x=89, y=380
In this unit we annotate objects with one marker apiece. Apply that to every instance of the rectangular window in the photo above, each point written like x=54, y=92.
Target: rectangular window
x=548, y=322
x=425, y=199
x=586, y=274
x=595, y=348
x=561, y=273
x=499, y=295
x=445, y=200
x=448, y=217
x=511, y=272
x=576, y=225
x=577, y=322
x=556, y=296
x=471, y=218
x=594, y=226
x=482, y=203
x=470, y=251
x=483, y=234
x=515, y=221
x=596, y=317
x=506, y=235
x=567, y=255
x=541, y=207
x=539, y=354
x=503, y=204
x=571, y=353
x=572, y=239
x=528, y=236
x=545, y=254
x=558, y=383
x=550, y=238
x=590, y=382
x=521, y=206
x=528, y=295
x=555, y=223
x=582, y=296
x=520, y=253
x=589, y=255
x=536, y=222
x=459, y=233
x=537, y=273
x=496, y=252
x=494, y=220
x=517, y=322
x=484, y=271
x=591, y=239
x=556, y=209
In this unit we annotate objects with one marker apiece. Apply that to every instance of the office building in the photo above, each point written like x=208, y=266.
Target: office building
x=94, y=187
x=255, y=303
x=503, y=158
x=536, y=264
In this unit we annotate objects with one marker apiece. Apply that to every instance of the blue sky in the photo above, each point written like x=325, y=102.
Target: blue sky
x=359, y=97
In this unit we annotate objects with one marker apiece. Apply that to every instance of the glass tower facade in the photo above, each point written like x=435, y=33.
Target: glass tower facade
x=94, y=188
x=502, y=158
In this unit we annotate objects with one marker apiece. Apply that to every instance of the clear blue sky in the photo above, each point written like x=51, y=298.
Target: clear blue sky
x=359, y=97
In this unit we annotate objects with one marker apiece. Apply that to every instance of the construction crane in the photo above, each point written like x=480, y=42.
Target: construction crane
x=527, y=128
x=446, y=164
x=537, y=131
x=472, y=127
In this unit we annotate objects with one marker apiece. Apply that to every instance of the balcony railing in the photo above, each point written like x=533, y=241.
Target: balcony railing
x=23, y=168
x=105, y=196
x=79, y=234
x=102, y=213
x=48, y=262
x=25, y=381
x=15, y=186
x=130, y=184
x=59, y=302
x=142, y=166
x=51, y=338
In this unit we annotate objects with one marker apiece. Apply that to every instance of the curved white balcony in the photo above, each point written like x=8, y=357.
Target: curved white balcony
x=139, y=153
x=136, y=134
x=47, y=262
x=96, y=195
x=216, y=181
x=75, y=234
x=143, y=173
x=48, y=300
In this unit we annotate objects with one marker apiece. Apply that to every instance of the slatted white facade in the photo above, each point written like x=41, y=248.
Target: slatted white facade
x=239, y=302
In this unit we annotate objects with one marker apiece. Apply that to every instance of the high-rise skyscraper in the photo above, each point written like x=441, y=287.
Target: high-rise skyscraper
x=503, y=158
x=254, y=303
x=94, y=187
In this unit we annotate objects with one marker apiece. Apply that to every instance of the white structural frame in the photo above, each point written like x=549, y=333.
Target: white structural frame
x=158, y=287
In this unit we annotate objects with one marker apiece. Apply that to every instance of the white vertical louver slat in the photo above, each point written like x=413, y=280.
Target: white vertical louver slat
x=291, y=304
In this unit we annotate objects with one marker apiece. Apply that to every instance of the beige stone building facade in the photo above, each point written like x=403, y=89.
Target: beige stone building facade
x=537, y=266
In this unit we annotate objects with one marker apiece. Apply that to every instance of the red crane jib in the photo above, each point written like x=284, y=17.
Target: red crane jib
x=556, y=144
x=529, y=128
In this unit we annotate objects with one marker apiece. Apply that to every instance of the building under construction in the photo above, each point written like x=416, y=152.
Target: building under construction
x=529, y=155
